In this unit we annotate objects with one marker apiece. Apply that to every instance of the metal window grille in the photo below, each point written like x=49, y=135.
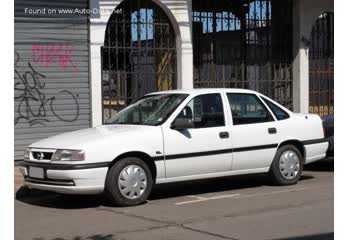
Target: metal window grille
x=138, y=56
x=244, y=44
x=321, y=66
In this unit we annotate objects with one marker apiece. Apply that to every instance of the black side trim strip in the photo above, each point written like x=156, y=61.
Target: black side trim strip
x=65, y=166
x=158, y=158
x=216, y=152
x=314, y=141
x=243, y=149
x=50, y=181
x=198, y=154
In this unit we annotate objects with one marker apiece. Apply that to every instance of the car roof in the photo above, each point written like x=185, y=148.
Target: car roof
x=204, y=90
x=196, y=91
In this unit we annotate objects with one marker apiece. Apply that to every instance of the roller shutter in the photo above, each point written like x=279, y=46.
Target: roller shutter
x=51, y=78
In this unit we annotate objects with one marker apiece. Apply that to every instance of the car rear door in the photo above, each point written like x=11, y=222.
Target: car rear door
x=254, y=132
x=204, y=149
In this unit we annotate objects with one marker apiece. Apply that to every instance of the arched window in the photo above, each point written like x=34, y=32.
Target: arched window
x=321, y=66
x=138, y=56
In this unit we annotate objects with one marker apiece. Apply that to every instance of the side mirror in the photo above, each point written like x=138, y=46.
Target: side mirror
x=182, y=123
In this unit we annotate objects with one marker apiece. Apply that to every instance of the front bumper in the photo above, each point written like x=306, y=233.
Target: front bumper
x=67, y=178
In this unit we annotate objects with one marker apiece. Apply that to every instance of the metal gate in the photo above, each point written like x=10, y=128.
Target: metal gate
x=51, y=70
x=244, y=44
x=138, y=56
x=321, y=66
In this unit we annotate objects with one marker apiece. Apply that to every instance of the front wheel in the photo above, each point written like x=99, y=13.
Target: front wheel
x=287, y=165
x=129, y=182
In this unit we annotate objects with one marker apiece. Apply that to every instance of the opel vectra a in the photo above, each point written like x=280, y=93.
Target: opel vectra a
x=176, y=136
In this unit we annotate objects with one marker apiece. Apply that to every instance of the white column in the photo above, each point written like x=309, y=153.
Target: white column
x=181, y=17
x=95, y=75
x=305, y=13
x=300, y=63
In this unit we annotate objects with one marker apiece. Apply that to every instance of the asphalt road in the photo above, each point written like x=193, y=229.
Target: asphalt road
x=242, y=207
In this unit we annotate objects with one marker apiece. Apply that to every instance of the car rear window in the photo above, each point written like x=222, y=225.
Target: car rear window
x=277, y=111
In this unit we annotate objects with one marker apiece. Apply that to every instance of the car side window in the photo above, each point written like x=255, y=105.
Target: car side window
x=279, y=112
x=248, y=109
x=205, y=111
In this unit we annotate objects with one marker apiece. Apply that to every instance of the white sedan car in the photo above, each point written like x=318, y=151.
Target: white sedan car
x=175, y=136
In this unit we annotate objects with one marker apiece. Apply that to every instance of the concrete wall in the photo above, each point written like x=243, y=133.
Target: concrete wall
x=179, y=13
x=305, y=13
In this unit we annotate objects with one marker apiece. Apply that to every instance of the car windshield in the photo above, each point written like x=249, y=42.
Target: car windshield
x=149, y=110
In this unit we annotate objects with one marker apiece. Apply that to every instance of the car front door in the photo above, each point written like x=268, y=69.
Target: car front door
x=205, y=148
x=254, y=131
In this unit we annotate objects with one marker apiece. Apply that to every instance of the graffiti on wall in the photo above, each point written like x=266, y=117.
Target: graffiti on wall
x=34, y=106
x=48, y=54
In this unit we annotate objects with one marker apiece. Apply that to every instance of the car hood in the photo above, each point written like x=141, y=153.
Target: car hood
x=78, y=139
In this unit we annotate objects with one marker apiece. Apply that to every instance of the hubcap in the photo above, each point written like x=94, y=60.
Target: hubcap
x=132, y=181
x=289, y=164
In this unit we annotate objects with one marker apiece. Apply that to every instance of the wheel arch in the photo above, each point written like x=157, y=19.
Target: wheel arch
x=141, y=155
x=298, y=144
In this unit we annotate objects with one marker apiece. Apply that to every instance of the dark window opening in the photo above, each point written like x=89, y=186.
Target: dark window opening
x=321, y=66
x=244, y=44
x=138, y=56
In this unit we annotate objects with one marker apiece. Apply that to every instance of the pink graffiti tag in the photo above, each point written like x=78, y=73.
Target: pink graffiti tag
x=49, y=54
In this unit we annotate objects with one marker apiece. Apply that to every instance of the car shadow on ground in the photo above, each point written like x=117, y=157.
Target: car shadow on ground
x=166, y=191
x=206, y=186
x=163, y=191
x=321, y=236
x=93, y=237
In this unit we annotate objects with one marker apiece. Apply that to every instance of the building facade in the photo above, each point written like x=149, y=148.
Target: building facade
x=77, y=70
x=51, y=70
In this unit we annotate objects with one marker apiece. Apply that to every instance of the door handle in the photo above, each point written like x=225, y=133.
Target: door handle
x=224, y=135
x=272, y=130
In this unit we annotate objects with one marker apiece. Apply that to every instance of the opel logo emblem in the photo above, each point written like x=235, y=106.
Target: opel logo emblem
x=40, y=156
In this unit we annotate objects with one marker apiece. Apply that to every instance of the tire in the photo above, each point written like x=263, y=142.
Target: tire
x=281, y=171
x=126, y=179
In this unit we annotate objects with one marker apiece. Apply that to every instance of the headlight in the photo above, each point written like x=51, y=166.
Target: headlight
x=26, y=154
x=69, y=155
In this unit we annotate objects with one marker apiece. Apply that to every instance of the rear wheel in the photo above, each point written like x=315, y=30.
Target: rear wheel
x=287, y=165
x=129, y=182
